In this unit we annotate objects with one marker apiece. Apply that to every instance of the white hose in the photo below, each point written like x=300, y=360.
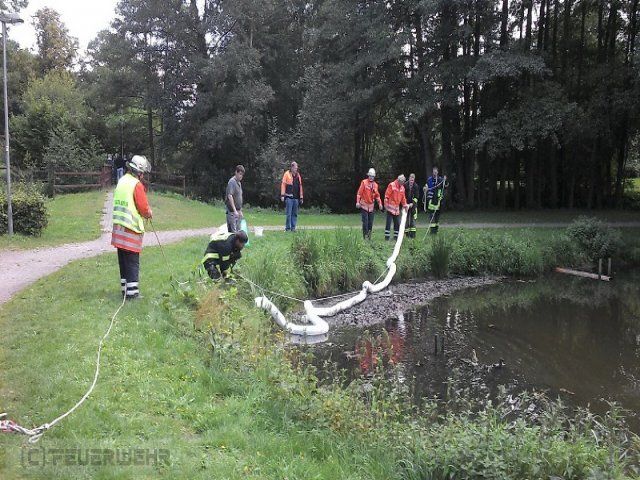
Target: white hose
x=317, y=325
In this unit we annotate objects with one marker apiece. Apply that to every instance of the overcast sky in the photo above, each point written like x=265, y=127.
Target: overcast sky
x=83, y=18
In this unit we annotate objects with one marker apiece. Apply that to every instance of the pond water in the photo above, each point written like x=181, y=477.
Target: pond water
x=575, y=338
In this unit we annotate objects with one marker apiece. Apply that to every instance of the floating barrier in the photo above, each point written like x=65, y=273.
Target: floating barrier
x=317, y=326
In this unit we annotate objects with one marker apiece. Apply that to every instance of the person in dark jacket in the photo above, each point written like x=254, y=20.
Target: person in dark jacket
x=434, y=193
x=412, y=194
x=223, y=252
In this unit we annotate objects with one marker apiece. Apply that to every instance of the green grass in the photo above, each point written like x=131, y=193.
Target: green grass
x=246, y=408
x=72, y=218
x=174, y=211
x=76, y=218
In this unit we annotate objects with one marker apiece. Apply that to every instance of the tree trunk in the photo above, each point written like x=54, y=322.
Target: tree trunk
x=516, y=180
x=542, y=21
x=504, y=23
x=553, y=177
x=530, y=176
x=152, y=147
x=554, y=40
x=527, y=38
x=566, y=39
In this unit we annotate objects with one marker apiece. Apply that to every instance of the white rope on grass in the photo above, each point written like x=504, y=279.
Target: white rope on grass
x=36, y=433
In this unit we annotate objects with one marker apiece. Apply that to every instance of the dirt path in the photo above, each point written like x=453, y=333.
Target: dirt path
x=21, y=268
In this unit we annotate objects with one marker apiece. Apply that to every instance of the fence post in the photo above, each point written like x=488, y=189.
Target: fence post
x=52, y=181
x=184, y=186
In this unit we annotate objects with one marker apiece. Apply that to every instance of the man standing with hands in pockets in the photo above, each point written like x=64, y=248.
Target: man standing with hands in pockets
x=291, y=193
x=233, y=200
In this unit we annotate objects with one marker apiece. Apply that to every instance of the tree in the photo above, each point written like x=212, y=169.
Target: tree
x=50, y=104
x=56, y=48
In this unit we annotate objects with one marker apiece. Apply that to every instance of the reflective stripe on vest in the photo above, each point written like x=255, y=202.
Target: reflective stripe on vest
x=125, y=212
x=434, y=206
x=215, y=256
x=123, y=239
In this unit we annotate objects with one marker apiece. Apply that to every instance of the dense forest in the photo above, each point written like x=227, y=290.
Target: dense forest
x=522, y=103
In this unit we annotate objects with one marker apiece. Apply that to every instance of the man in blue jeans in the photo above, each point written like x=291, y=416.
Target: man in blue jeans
x=292, y=194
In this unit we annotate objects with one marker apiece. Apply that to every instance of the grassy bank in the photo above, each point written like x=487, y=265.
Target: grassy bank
x=72, y=218
x=76, y=218
x=239, y=403
x=174, y=211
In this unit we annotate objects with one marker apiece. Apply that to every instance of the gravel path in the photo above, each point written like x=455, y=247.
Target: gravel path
x=21, y=268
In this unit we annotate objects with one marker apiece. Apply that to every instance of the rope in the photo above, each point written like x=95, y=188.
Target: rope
x=282, y=295
x=164, y=256
x=36, y=433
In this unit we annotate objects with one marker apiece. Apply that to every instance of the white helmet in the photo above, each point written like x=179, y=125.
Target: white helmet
x=371, y=173
x=139, y=164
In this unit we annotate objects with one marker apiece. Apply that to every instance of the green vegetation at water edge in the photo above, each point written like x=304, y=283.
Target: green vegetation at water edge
x=231, y=400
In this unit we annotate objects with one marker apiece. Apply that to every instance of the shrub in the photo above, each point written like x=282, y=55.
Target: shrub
x=594, y=238
x=307, y=251
x=439, y=256
x=29, y=209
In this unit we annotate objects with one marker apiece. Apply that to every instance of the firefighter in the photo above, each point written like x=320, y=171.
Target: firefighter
x=434, y=193
x=130, y=207
x=394, y=198
x=412, y=194
x=223, y=252
x=366, y=199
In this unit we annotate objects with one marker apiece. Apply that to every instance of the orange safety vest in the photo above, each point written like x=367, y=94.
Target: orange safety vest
x=286, y=188
x=367, y=195
x=394, y=197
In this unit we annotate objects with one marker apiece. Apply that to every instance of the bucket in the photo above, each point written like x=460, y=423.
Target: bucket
x=245, y=229
x=259, y=231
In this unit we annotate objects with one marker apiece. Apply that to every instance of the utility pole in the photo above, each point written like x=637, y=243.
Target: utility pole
x=10, y=18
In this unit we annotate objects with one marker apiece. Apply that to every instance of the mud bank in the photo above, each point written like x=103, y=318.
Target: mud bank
x=398, y=298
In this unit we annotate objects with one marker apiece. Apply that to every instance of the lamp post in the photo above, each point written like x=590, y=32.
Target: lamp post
x=10, y=18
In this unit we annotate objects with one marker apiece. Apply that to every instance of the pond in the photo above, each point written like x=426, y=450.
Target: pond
x=578, y=339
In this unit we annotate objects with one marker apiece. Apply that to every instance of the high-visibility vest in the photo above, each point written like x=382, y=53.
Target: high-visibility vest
x=125, y=212
x=367, y=195
x=394, y=198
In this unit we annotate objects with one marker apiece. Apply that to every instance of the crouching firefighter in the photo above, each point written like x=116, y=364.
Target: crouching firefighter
x=434, y=193
x=223, y=252
x=412, y=194
x=130, y=207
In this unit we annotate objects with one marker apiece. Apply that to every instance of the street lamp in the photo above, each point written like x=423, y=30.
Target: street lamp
x=10, y=18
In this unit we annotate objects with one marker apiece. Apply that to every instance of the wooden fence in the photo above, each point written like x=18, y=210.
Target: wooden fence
x=68, y=181
x=167, y=181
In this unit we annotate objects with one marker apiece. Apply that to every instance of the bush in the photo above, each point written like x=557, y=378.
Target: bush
x=594, y=238
x=439, y=257
x=30, y=215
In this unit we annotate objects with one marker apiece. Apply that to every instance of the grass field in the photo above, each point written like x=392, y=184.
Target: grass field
x=239, y=409
x=76, y=218
x=72, y=218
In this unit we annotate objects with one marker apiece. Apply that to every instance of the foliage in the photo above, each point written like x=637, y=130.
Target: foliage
x=248, y=402
x=332, y=262
x=30, y=216
x=66, y=152
x=594, y=238
x=51, y=104
x=56, y=48
x=439, y=256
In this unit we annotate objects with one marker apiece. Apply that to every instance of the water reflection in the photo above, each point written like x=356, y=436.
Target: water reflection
x=576, y=338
